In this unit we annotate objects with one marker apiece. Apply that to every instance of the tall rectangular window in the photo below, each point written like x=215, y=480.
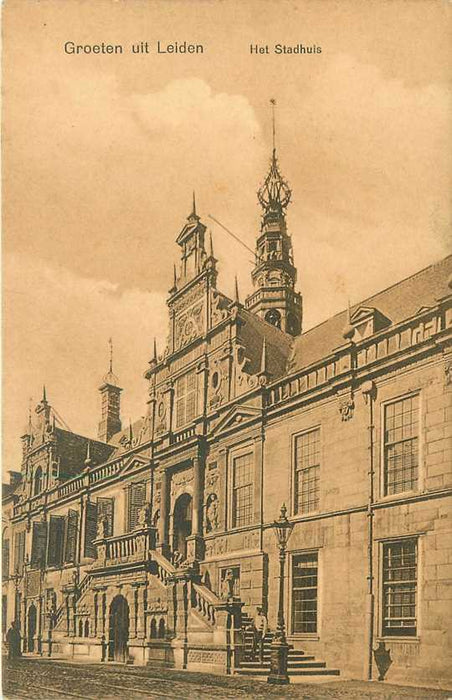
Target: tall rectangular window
x=56, y=540
x=304, y=593
x=186, y=390
x=5, y=559
x=105, y=513
x=399, y=588
x=19, y=552
x=242, y=490
x=401, y=445
x=71, y=536
x=307, y=471
x=136, y=501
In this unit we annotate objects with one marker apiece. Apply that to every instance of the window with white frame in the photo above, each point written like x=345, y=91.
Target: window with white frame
x=305, y=592
x=242, y=490
x=400, y=588
x=401, y=445
x=307, y=471
x=185, y=399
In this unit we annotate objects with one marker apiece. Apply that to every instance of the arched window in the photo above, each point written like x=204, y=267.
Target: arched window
x=86, y=627
x=37, y=481
x=274, y=317
x=162, y=628
x=153, y=628
x=80, y=628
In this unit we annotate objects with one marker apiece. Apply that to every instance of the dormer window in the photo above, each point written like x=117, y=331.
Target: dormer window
x=366, y=321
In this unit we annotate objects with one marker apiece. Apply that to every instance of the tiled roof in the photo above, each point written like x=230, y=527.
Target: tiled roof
x=398, y=302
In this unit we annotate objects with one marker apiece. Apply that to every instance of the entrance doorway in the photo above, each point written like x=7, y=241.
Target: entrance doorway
x=119, y=629
x=31, y=627
x=182, y=523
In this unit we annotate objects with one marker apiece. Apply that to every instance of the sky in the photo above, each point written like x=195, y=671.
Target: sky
x=101, y=154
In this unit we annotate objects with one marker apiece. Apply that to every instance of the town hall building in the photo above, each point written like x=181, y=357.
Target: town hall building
x=155, y=543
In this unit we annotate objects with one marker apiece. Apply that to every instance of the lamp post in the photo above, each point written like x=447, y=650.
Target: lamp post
x=279, y=649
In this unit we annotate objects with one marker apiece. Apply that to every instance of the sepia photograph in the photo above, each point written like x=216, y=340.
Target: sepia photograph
x=227, y=349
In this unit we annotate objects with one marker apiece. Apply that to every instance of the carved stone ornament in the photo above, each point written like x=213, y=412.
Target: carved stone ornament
x=346, y=408
x=212, y=513
x=448, y=374
x=180, y=481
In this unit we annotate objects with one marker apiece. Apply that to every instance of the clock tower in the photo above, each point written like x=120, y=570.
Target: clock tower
x=274, y=298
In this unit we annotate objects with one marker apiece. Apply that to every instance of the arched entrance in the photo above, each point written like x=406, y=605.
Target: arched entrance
x=31, y=627
x=182, y=523
x=118, y=629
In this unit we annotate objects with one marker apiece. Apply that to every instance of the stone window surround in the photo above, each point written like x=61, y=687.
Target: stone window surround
x=311, y=636
x=380, y=440
x=293, y=512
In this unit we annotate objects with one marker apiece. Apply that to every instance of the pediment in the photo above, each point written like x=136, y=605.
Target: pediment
x=422, y=310
x=375, y=319
x=235, y=416
x=134, y=462
x=362, y=313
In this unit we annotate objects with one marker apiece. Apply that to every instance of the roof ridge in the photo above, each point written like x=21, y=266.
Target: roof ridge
x=382, y=291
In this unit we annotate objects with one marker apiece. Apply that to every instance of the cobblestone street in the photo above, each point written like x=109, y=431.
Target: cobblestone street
x=40, y=679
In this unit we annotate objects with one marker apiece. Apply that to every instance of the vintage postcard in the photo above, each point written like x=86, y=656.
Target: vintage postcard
x=227, y=349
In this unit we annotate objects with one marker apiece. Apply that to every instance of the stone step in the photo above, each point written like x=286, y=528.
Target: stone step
x=297, y=664
x=314, y=672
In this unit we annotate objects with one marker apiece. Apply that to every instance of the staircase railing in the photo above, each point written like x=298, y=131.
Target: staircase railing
x=204, y=602
x=136, y=544
x=164, y=567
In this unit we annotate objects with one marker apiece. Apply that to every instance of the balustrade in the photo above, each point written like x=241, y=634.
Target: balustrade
x=183, y=435
x=132, y=545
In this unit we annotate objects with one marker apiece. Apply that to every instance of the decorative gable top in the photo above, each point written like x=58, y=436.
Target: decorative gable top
x=235, y=416
x=133, y=463
x=367, y=320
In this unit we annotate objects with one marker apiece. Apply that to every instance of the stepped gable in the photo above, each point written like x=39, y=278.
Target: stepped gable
x=398, y=302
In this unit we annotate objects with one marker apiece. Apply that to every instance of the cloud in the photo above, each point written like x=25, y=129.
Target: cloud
x=56, y=329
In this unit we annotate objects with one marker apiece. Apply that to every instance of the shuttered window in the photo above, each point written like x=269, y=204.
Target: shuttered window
x=56, y=540
x=39, y=545
x=136, y=500
x=70, y=549
x=186, y=399
x=105, y=510
x=90, y=530
x=19, y=552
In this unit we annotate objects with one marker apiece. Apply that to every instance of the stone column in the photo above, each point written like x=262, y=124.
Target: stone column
x=195, y=542
x=163, y=546
x=198, y=480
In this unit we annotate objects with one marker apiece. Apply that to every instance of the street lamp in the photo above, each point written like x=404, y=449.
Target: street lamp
x=279, y=649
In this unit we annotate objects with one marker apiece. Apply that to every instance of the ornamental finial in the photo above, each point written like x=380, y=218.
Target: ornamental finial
x=274, y=195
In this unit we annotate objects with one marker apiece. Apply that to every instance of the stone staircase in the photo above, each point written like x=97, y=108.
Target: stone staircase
x=299, y=663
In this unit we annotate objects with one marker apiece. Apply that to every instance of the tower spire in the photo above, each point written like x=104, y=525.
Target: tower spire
x=210, y=244
x=110, y=342
x=155, y=350
x=273, y=104
x=264, y=357
x=236, y=291
x=274, y=273
x=44, y=394
x=88, y=460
